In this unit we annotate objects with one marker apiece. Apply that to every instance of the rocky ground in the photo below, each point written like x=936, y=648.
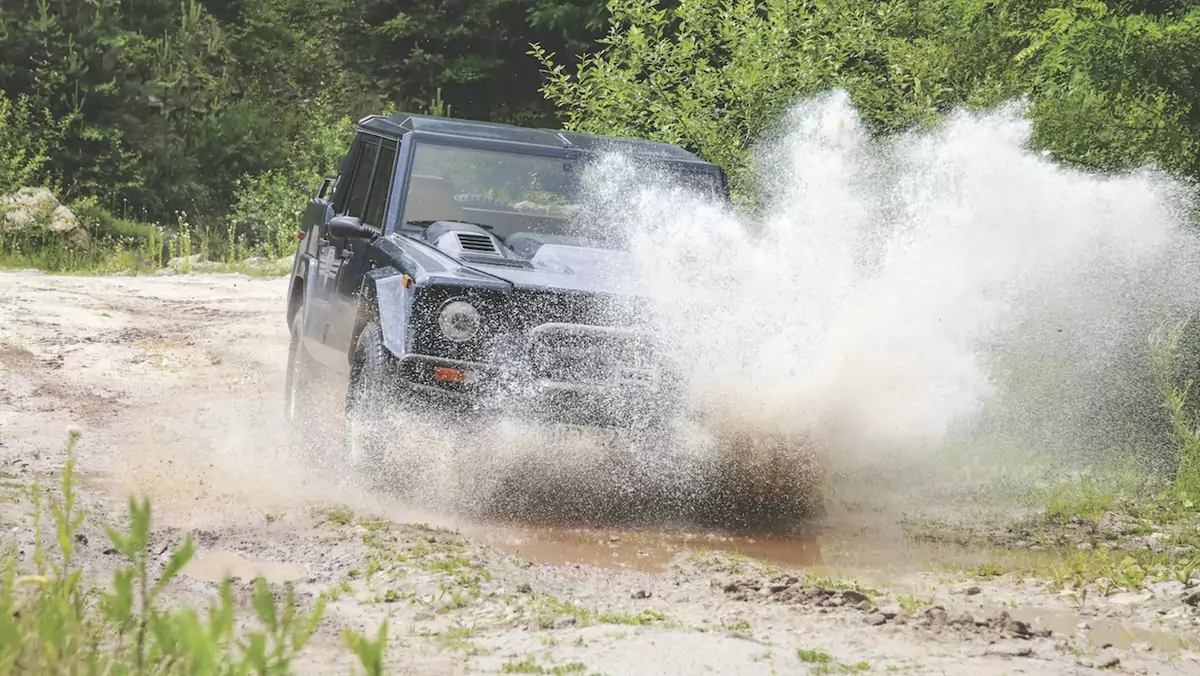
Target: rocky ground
x=175, y=383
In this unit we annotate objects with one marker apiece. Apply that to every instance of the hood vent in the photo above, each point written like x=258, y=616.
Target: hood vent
x=477, y=244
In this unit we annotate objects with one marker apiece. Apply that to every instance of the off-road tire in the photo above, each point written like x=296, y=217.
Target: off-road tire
x=297, y=406
x=372, y=387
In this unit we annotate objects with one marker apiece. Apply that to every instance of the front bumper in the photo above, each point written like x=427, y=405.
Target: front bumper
x=566, y=388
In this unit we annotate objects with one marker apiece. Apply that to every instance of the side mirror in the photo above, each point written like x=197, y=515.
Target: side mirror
x=349, y=227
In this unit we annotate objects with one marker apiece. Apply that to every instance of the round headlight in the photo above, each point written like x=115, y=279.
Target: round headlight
x=459, y=321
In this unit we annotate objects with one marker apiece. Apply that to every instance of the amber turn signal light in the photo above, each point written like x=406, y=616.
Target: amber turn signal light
x=447, y=375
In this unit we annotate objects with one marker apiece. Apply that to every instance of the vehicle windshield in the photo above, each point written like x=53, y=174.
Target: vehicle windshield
x=507, y=192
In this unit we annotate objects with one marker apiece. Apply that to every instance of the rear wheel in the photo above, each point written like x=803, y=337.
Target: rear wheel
x=298, y=395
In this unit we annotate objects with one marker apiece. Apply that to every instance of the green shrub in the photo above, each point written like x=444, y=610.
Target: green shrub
x=50, y=623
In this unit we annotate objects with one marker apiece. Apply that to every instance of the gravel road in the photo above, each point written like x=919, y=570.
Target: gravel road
x=176, y=384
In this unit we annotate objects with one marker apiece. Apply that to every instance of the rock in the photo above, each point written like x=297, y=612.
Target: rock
x=1130, y=598
x=1169, y=588
x=641, y=594
x=185, y=263
x=1109, y=662
x=852, y=596
x=1192, y=599
x=972, y=591
x=1010, y=648
x=563, y=621
x=963, y=619
x=936, y=615
x=524, y=588
x=37, y=211
x=863, y=606
x=1017, y=628
x=874, y=619
x=891, y=611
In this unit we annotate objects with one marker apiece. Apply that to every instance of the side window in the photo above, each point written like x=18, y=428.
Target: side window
x=360, y=180
x=381, y=185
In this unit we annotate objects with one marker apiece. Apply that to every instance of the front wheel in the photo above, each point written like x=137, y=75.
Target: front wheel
x=371, y=394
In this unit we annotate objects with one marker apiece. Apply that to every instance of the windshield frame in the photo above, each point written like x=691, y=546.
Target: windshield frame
x=411, y=140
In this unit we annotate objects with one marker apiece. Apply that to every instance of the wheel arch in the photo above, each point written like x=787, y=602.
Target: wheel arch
x=384, y=300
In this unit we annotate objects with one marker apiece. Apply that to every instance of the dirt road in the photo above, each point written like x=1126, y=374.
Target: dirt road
x=176, y=385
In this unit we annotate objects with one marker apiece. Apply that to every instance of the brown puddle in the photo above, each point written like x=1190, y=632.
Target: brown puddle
x=215, y=566
x=1102, y=632
x=640, y=550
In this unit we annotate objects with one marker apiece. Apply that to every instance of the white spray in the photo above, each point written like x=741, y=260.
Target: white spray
x=894, y=292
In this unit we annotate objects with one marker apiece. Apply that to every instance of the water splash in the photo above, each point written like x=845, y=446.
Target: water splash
x=897, y=293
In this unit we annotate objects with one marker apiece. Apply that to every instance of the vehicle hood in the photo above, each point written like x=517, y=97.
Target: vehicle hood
x=570, y=268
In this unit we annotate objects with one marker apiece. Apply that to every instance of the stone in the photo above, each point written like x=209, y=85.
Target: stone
x=1010, y=648
x=891, y=611
x=972, y=591
x=641, y=594
x=38, y=211
x=563, y=621
x=964, y=619
x=1017, y=627
x=1130, y=598
x=852, y=596
x=1192, y=599
x=524, y=588
x=874, y=619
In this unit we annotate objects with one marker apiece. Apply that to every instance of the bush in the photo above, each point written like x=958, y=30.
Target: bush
x=268, y=207
x=23, y=153
x=51, y=624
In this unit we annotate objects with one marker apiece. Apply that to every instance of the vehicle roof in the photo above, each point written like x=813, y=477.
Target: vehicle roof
x=402, y=123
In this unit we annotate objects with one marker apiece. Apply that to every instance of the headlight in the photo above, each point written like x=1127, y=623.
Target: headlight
x=459, y=321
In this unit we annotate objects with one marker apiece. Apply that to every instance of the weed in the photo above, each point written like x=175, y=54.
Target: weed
x=337, y=515
x=529, y=666
x=813, y=656
x=50, y=623
x=740, y=625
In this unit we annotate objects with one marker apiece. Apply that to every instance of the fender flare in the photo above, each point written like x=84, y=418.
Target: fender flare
x=386, y=300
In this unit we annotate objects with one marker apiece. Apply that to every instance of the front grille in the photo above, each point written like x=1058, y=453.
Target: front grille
x=584, y=355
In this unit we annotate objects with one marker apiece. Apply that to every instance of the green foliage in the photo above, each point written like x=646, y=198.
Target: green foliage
x=1109, y=86
x=1185, y=416
x=24, y=151
x=51, y=623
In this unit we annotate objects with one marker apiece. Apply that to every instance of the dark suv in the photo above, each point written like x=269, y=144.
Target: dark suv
x=455, y=264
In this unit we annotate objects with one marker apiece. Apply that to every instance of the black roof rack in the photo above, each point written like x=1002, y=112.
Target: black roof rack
x=402, y=123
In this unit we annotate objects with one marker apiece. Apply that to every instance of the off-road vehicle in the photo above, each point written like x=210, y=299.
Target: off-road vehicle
x=454, y=264
x=459, y=268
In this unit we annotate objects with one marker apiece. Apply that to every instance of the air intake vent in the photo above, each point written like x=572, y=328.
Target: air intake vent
x=495, y=260
x=475, y=243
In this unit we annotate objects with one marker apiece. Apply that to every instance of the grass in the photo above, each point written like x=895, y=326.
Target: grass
x=528, y=666
x=130, y=247
x=826, y=664
x=50, y=623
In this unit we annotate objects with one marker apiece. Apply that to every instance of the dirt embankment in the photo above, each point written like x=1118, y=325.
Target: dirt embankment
x=176, y=385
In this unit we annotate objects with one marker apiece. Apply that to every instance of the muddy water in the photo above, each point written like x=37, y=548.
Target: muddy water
x=640, y=550
x=214, y=566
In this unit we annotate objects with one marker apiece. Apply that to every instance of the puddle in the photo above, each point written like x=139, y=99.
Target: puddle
x=214, y=566
x=645, y=551
x=1101, y=631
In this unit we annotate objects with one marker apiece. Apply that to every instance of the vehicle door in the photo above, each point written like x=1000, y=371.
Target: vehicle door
x=356, y=256
x=349, y=199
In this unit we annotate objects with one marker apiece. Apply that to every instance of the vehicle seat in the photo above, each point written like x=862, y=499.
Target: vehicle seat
x=431, y=198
